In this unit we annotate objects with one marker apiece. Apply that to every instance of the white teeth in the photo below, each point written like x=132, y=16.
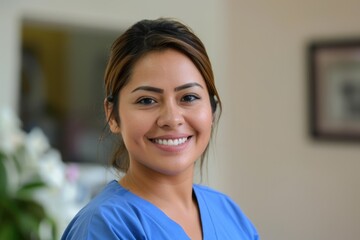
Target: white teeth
x=171, y=142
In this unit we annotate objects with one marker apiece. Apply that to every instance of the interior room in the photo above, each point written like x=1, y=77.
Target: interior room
x=291, y=179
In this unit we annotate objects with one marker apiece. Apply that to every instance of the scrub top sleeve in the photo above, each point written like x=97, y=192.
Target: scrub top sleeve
x=108, y=225
x=101, y=225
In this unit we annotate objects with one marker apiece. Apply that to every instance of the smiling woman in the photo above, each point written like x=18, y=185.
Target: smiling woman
x=162, y=105
x=168, y=91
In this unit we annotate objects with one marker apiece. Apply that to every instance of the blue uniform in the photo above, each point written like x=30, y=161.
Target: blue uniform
x=116, y=213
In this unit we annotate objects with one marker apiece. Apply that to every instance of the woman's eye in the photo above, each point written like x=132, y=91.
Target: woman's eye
x=189, y=98
x=146, y=101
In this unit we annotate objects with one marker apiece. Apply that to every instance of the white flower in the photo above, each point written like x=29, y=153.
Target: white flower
x=52, y=169
x=11, y=135
x=36, y=142
x=63, y=195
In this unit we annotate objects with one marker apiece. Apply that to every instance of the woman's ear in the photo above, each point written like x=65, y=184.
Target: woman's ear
x=110, y=118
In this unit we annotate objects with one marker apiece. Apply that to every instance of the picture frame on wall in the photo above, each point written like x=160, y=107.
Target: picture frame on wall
x=334, y=82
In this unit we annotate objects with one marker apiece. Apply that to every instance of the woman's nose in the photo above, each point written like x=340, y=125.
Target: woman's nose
x=170, y=116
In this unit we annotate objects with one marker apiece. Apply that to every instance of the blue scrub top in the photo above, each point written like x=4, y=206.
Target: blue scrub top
x=116, y=213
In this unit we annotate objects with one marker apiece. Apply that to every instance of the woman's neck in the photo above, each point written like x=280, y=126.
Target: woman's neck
x=159, y=189
x=171, y=194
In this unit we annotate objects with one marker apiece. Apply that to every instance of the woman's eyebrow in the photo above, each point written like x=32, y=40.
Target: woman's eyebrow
x=159, y=90
x=187, y=85
x=148, y=88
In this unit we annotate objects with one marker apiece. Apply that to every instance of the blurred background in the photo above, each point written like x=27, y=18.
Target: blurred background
x=291, y=185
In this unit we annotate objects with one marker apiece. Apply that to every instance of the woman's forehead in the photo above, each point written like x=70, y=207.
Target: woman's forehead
x=162, y=69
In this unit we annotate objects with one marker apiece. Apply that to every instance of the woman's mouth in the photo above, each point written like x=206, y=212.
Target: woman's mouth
x=170, y=142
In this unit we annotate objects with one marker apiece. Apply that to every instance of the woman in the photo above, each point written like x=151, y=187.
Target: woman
x=162, y=104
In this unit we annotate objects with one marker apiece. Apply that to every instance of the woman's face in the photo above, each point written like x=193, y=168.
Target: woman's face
x=165, y=114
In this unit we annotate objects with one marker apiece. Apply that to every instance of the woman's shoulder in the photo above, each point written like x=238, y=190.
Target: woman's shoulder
x=104, y=214
x=224, y=213
x=113, y=196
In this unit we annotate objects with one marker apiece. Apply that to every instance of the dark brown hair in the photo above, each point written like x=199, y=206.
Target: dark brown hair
x=143, y=37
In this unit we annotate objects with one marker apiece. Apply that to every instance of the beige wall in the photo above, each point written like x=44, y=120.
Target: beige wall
x=291, y=187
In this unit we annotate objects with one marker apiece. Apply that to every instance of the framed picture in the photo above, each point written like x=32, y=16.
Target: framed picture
x=334, y=82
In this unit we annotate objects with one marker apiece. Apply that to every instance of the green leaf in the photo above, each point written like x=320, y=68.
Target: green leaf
x=25, y=216
x=9, y=232
x=18, y=157
x=28, y=189
x=30, y=207
x=3, y=176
